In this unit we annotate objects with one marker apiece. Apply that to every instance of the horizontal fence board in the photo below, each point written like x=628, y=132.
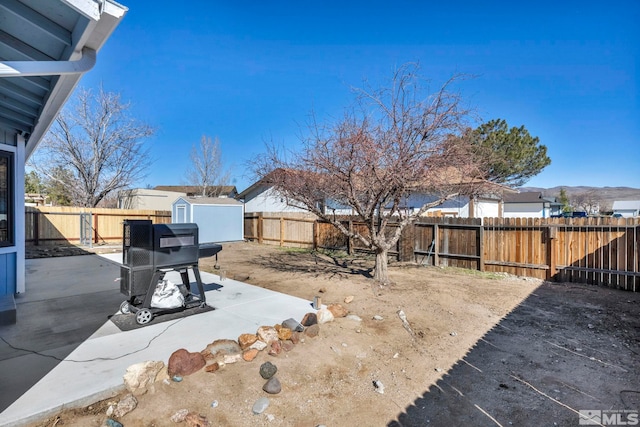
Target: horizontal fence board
x=61, y=224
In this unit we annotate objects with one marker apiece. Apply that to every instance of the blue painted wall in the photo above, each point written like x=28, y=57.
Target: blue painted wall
x=219, y=223
x=8, y=274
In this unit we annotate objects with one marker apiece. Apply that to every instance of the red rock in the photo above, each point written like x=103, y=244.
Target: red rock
x=312, y=331
x=287, y=345
x=296, y=337
x=250, y=354
x=212, y=367
x=184, y=363
x=276, y=348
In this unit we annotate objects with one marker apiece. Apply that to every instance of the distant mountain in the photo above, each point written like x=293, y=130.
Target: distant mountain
x=606, y=195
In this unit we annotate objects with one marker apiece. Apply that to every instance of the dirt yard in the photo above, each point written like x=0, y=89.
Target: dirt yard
x=479, y=349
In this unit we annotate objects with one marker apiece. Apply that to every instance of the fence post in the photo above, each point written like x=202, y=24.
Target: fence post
x=481, y=247
x=349, y=239
x=551, y=252
x=436, y=245
x=260, y=227
x=95, y=228
x=281, y=231
x=36, y=227
x=315, y=235
x=446, y=235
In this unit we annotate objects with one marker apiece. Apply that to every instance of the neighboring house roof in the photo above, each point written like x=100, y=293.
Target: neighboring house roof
x=626, y=205
x=252, y=188
x=527, y=197
x=227, y=190
x=209, y=201
x=147, y=191
x=45, y=48
x=491, y=186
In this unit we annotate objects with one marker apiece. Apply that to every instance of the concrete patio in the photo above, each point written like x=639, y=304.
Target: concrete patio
x=64, y=316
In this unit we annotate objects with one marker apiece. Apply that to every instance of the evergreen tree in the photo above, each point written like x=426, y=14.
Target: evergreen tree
x=513, y=155
x=564, y=200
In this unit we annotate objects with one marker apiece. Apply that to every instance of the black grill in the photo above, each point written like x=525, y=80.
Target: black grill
x=149, y=252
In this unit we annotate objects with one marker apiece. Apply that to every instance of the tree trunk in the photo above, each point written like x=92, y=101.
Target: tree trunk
x=380, y=273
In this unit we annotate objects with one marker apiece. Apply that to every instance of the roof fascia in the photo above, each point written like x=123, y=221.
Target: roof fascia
x=94, y=34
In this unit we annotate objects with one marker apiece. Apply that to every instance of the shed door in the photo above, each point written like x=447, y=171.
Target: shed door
x=181, y=214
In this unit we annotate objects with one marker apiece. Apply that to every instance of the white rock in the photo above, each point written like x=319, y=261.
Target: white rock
x=379, y=386
x=258, y=345
x=231, y=358
x=267, y=334
x=126, y=405
x=324, y=316
x=140, y=377
x=260, y=406
x=378, y=317
x=354, y=317
x=180, y=416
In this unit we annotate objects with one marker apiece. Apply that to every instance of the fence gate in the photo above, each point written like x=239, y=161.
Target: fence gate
x=86, y=237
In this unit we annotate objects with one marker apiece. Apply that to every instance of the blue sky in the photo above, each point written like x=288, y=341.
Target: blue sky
x=249, y=72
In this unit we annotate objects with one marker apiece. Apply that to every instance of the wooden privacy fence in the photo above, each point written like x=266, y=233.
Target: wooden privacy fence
x=585, y=250
x=55, y=224
x=302, y=230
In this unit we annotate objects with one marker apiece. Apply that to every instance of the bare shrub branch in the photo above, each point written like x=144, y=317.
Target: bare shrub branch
x=394, y=144
x=97, y=144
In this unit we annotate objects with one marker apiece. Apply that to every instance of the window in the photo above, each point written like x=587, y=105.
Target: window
x=6, y=199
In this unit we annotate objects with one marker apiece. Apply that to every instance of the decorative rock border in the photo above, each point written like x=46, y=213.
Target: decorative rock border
x=279, y=338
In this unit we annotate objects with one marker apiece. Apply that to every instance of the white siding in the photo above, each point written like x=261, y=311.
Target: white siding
x=458, y=207
x=626, y=213
x=487, y=209
x=627, y=208
x=524, y=210
x=142, y=198
x=268, y=200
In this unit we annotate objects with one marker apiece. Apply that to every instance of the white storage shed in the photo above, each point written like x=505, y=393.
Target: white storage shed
x=219, y=219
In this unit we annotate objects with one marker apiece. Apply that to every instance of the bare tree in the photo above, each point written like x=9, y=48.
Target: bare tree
x=588, y=201
x=394, y=143
x=205, y=170
x=98, y=144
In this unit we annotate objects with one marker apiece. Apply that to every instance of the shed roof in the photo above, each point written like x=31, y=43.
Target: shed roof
x=210, y=200
x=527, y=197
x=45, y=47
